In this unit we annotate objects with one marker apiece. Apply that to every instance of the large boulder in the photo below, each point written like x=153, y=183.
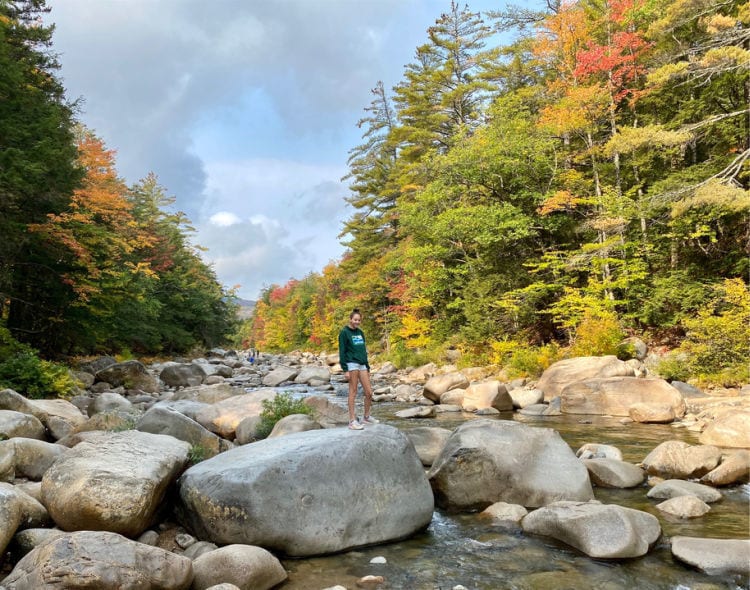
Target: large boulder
x=734, y=468
x=716, y=557
x=679, y=460
x=732, y=430
x=223, y=417
x=487, y=394
x=487, y=461
x=31, y=457
x=325, y=412
x=313, y=374
x=674, y=488
x=604, y=531
x=60, y=416
x=11, y=400
x=428, y=442
x=18, y=510
x=17, y=424
x=235, y=497
x=163, y=420
x=614, y=396
x=130, y=375
x=245, y=566
x=279, y=375
x=205, y=394
x=101, y=560
x=611, y=473
x=182, y=375
x=562, y=373
x=439, y=384
x=113, y=483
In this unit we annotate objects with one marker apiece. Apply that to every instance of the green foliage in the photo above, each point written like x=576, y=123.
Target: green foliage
x=197, y=453
x=282, y=405
x=528, y=361
x=597, y=334
x=24, y=372
x=717, y=340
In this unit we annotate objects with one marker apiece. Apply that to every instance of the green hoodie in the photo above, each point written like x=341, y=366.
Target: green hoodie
x=352, y=347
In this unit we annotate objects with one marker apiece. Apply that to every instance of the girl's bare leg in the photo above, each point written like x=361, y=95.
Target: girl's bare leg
x=364, y=378
x=353, y=379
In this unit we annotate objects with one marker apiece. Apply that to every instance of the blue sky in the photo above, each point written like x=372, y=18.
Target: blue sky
x=245, y=110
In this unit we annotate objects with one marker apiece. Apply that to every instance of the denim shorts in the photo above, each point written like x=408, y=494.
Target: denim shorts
x=355, y=367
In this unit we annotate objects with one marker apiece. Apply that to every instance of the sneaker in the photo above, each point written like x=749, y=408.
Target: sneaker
x=355, y=425
x=370, y=420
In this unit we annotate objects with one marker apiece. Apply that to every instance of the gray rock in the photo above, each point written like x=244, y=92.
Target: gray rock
x=14, y=424
x=428, y=442
x=648, y=413
x=293, y=423
x=487, y=461
x=234, y=497
x=526, y=397
x=114, y=484
x=311, y=373
x=129, y=374
x=684, y=507
x=182, y=375
x=734, y=468
x=245, y=566
x=502, y=511
x=562, y=373
x=453, y=397
x=98, y=364
x=11, y=400
x=599, y=451
x=197, y=549
x=107, y=402
x=279, y=375
x=439, y=384
x=611, y=473
x=224, y=416
x=60, y=416
x=112, y=562
x=614, y=396
x=206, y=394
x=732, y=430
x=604, y=531
x=487, y=394
x=28, y=539
x=673, y=488
x=716, y=557
x=31, y=457
x=162, y=420
x=678, y=459
x=325, y=412
x=419, y=412
x=687, y=390
x=18, y=510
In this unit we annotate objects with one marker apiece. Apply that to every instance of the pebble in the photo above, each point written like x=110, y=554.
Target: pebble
x=379, y=559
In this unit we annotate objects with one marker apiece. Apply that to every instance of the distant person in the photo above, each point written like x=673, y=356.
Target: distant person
x=251, y=356
x=353, y=359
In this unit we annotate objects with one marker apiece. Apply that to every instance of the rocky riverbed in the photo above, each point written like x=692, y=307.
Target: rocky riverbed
x=152, y=477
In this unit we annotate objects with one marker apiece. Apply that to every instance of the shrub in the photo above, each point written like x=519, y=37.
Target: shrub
x=33, y=377
x=598, y=334
x=532, y=361
x=282, y=405
x=716, y=343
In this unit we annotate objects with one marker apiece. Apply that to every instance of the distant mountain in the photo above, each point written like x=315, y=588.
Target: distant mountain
x=246, y=308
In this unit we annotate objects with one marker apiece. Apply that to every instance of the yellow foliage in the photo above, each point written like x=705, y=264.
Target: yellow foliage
x=561, y=201
x=714, y=194
x=501, y=350
x=717, y=23
x=743, y=14
x=664, y=74
x=632, y=139
x=722, y=57
x=579, y=109
x=415, y=331
x=598, y=334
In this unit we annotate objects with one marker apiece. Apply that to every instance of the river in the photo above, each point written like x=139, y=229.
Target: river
x=463, y=549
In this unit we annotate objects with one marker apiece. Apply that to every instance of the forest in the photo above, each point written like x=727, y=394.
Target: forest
x=88, y=264
x=523, y=201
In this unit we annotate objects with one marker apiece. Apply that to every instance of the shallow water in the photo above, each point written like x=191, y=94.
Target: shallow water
x=465, y=549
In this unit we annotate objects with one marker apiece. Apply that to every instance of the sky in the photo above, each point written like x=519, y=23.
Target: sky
x=245, y=110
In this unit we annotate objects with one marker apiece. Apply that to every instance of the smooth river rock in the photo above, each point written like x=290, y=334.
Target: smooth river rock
x=486, y=461
x=714, y=556
x=604, y=531
x=100, y=560
x=336, y=489
x=679, y=460
x=113, y=483
x=562, y=373
x=614, y=396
